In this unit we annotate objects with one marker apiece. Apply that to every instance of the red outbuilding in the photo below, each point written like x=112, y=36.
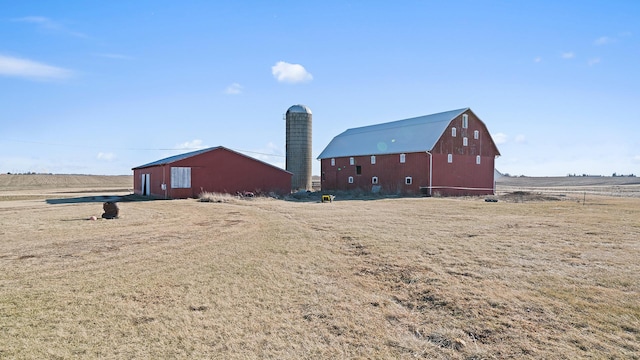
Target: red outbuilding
x=216, y=169
x=448, y=153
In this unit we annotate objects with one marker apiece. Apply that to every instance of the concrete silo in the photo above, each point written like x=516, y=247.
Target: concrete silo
x=298, y=147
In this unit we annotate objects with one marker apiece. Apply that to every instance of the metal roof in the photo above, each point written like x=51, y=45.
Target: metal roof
x=402, y=136
x=175, y=158
x=172, y=159
x=299, y=109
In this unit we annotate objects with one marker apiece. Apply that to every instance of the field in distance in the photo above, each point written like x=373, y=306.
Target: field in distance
x=46, y=186
x=625, y=186
x=12, y=182
x=433, y=278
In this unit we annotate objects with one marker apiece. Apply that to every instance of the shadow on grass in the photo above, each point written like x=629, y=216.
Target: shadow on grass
x=316, y=196
x=100, y=199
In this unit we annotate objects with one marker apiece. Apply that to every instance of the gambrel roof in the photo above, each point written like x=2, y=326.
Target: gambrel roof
x=402, y=136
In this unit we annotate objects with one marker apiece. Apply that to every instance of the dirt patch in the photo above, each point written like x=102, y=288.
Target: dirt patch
x=525, y=196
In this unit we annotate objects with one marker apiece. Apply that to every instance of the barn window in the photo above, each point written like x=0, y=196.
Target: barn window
x=350, y=179
x=465, y=121
x=478, y=159
x=333, y=162
x=449, y=158
x=476, y=134
x=352, y=161
x=358, y=170
x=374, y=180
x=465, y=141
x=180, y=177
x=403, y=158
x=453, y=132
x=373, y=159
x=408, y=180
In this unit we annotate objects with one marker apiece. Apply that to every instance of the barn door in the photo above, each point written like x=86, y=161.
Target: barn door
x=146, y=186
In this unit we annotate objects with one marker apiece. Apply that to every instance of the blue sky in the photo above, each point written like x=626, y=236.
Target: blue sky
x=99, y=87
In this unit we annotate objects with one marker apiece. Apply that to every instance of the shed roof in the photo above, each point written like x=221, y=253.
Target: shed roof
x=401, y=136
x=175, y=158
x=172, y=159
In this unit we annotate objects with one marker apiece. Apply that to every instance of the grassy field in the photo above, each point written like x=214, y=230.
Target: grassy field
x=621, y=186
x=441, y=278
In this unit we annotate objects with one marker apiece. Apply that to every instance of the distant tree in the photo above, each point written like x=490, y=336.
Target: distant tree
x=614, y=175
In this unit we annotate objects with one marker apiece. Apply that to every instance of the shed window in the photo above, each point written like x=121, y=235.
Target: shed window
x=476, y=134
x=352, y=161
x=373, y=159
x=358, y=170
x=449, y=158
x=408, y=180
x=453, y=132
x=333, y=162
x=465, y=141
x=350, y=179
x=374, y=180
x=478, y=159
x=180, y=177
x=403, y=158
x=465, y=121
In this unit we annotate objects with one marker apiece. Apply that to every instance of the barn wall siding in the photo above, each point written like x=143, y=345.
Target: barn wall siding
x=155, y=180
x=390, y=172
x=463, y=176
x=220, y=171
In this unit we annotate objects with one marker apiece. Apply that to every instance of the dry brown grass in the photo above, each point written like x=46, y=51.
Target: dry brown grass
x=40, y=186
x=216, y=197
x=388, y=278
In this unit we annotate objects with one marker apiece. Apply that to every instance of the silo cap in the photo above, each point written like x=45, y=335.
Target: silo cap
x=299, y=109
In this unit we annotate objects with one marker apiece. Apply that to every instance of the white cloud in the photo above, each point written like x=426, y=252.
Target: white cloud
x=537, y=59
x=12, y=66
x=593, y=61
x=274, y=147
x=568, y=55
x=500, y=138
x=271, y=154
x=48, y=24
x=520, y=139
x=233, y=89
x=291, y=73
x=603, y=40
x=195, y=144
x=40, y=21
x=106, y=156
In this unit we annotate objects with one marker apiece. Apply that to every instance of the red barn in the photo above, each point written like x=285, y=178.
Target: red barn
x=215, y=169
x=449, y=153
